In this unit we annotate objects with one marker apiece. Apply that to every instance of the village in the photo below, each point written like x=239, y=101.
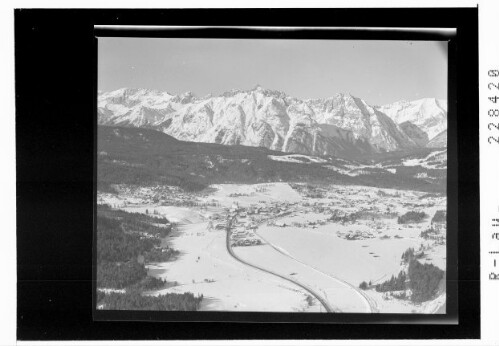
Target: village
x=377, y=218
x=268, y=224
x=369, y=213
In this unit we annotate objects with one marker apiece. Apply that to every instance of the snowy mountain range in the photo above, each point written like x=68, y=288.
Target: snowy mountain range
x=429, y=114
x=339, y=125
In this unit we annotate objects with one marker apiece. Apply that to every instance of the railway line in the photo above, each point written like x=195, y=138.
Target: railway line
x=368, y=300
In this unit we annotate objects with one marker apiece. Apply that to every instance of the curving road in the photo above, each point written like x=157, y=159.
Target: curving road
x=368, y=300
x=323, y=302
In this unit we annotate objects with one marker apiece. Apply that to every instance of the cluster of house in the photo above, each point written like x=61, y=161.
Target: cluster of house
x=306, y=224
x=405, y=294
x=166, y=195
x=218, y=222
x=181, y=199
x=437, y=230
x=244, y=238
x=242, y=222
x=432, y=234
x=242, y=231
x=258, y=212
x=356, y=235
x=439, y=227
x=236, y=221
x=239, y=194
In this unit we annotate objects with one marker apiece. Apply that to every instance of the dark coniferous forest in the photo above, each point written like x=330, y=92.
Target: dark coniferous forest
x=125, y=243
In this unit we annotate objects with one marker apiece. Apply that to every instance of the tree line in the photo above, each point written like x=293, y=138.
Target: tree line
x=422, y=279
x=440, y=216
x=122, y=250
x=134, y=300
x=412, y=217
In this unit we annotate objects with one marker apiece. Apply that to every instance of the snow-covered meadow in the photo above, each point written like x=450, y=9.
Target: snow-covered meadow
x=304, y=238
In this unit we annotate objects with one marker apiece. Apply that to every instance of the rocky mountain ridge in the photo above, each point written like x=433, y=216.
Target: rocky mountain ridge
x=342, y=125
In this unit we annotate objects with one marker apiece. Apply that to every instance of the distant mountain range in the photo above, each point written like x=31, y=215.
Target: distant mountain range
x=341, y=125
x=430, y=115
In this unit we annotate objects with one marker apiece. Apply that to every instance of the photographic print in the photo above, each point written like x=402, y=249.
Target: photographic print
x=271, y=175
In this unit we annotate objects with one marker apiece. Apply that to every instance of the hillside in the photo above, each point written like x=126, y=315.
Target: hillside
x=139, y=156
x=429, y=114
x=415, y=133
x=439, y=141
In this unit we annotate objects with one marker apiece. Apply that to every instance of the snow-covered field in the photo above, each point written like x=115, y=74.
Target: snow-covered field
x=341, y=297
x=352, y=261
x=300, y=240
x=205, y=267
x=297, y=158
x=430, y=161
x=253, y=194
x=180, y=215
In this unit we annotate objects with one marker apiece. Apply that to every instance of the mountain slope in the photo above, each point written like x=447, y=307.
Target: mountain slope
x=439, y=141
x=415, y=133
x=144, y=157
x=429, y=114
x=141, y=156
x=340, y=125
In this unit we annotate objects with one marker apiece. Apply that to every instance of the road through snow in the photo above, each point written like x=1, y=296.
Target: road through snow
x=321, y=300
x=368, y=301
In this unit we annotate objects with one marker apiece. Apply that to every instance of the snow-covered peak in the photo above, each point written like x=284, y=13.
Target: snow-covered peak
x=429, y=114
x=184, y=98
x=257, y=90
x=336, y=96
x=270, y=92
x=231, y=93
x=133, y=93
x=259, y=117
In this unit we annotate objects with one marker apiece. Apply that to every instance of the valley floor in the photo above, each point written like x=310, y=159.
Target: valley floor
x=290, y=247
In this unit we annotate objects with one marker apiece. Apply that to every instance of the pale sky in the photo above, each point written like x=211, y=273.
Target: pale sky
x=379, y=72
